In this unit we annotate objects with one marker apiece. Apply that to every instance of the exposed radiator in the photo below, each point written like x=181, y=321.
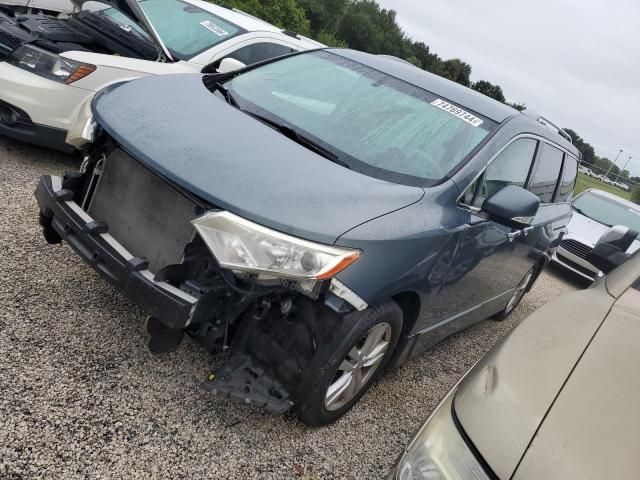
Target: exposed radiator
x=149, y=217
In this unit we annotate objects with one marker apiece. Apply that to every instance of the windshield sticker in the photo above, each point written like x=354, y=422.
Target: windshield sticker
x=214, y=28
x=457, y=112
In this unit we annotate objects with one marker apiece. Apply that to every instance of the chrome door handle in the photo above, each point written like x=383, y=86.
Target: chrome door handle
x=513, y=235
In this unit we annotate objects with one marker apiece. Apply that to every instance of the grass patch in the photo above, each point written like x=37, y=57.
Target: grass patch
x=584, y=182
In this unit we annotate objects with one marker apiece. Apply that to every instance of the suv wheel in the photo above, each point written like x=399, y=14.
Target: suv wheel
x=353, y=366
x=518, y=295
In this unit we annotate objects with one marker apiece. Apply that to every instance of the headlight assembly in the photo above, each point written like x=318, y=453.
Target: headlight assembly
x=49, y=65
x=438, y=451
x=241, y=245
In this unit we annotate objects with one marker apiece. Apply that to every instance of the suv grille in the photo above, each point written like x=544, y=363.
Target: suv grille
x=579, y=249
x=149, y=217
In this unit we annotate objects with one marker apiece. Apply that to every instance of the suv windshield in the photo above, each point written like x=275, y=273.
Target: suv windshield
x=372, y=122
x=607, y=211
x=185, y=29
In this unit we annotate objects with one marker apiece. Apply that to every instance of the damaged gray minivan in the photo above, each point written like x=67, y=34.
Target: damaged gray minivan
x=314, y=218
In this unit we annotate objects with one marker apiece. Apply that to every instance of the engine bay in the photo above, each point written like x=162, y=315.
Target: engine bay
x=88, y=31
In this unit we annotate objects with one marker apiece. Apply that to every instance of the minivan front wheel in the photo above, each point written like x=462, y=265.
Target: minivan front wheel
x=354, y=365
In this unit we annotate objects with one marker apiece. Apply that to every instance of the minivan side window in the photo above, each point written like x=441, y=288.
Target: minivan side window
x=569, y=177
x=547, y=170
x=510, y=167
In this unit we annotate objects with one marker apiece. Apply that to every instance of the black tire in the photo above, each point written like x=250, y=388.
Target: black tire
x=313, y=410
x=521, y=290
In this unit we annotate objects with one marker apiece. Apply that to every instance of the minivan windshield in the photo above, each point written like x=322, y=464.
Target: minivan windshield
x=373, y=123
x=607, y=211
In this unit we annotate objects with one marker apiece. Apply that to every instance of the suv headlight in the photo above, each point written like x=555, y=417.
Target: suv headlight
x=438, y=451
x=241, y=245
x=49, y=65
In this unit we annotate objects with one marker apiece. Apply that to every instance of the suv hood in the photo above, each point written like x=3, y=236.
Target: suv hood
x=503, y=401
x=178, y=128
x=62, y=6
x=132, y=9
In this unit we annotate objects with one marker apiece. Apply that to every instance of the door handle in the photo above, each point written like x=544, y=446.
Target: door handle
x=513, y=235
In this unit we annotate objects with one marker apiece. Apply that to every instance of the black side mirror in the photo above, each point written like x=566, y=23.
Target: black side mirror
x=611, y=250
x=512, y=206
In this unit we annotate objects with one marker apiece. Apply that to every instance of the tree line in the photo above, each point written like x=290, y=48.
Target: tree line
x=364, y=25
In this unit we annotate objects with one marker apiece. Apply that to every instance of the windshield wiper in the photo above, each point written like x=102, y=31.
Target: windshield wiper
x=580, y=211
x=228, y=96
x=297, y=137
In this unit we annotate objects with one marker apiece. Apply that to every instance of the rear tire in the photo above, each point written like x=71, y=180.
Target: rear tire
x=519, y=293
x=351, y=368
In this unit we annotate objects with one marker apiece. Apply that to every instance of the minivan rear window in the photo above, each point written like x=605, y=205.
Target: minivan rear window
x=375, y=123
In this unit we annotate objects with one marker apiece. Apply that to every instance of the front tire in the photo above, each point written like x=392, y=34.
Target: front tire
x=353, y=366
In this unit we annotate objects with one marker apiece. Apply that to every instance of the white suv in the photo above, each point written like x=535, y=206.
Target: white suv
x=56, y=54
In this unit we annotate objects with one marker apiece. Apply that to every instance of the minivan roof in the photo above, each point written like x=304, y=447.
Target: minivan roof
x=476, y=101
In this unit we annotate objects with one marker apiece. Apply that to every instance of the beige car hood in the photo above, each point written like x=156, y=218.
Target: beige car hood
x=593, y=429
x=504, y=399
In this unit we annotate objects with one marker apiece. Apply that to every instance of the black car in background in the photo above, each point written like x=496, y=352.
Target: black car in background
x=316, y=218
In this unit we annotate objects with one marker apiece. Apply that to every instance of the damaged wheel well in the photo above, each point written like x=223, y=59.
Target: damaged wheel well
x=409, y=302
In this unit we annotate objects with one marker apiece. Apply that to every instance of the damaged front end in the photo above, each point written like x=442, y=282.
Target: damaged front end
x=268, y=302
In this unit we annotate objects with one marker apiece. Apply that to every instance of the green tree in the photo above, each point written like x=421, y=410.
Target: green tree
x=588, y=153
x=324, y=15
x=367, y=27
x=330, y=39
x=458, y=71
x=518, y=106
x=489, y=89
x=286, y=14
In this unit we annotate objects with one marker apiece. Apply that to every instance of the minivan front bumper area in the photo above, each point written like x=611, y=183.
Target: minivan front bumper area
x=62, y=216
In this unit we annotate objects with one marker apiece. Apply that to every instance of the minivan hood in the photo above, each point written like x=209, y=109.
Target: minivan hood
x=178, y=128
x=503, y=401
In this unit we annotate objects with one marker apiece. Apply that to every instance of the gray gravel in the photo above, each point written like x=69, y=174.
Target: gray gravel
x=80, y=397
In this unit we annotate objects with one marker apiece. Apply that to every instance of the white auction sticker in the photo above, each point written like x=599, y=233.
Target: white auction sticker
x=214, y=28
x=457, y=112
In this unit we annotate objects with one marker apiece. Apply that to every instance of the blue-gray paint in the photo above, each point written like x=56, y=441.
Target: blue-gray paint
x=461, y=267
x=177, y=127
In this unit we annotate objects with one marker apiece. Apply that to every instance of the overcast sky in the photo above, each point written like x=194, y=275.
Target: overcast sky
x=575, y=61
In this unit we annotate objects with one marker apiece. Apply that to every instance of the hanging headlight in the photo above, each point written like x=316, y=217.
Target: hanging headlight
x=241, y=245
x=49, y=65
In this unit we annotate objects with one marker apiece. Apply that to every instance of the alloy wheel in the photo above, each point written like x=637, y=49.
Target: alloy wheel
x=358, y=366
x=520, y=291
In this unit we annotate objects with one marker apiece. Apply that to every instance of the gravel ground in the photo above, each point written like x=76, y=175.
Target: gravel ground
x=80, y=396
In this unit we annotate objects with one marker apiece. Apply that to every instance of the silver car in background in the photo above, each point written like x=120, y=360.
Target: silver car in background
x=594, y=211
